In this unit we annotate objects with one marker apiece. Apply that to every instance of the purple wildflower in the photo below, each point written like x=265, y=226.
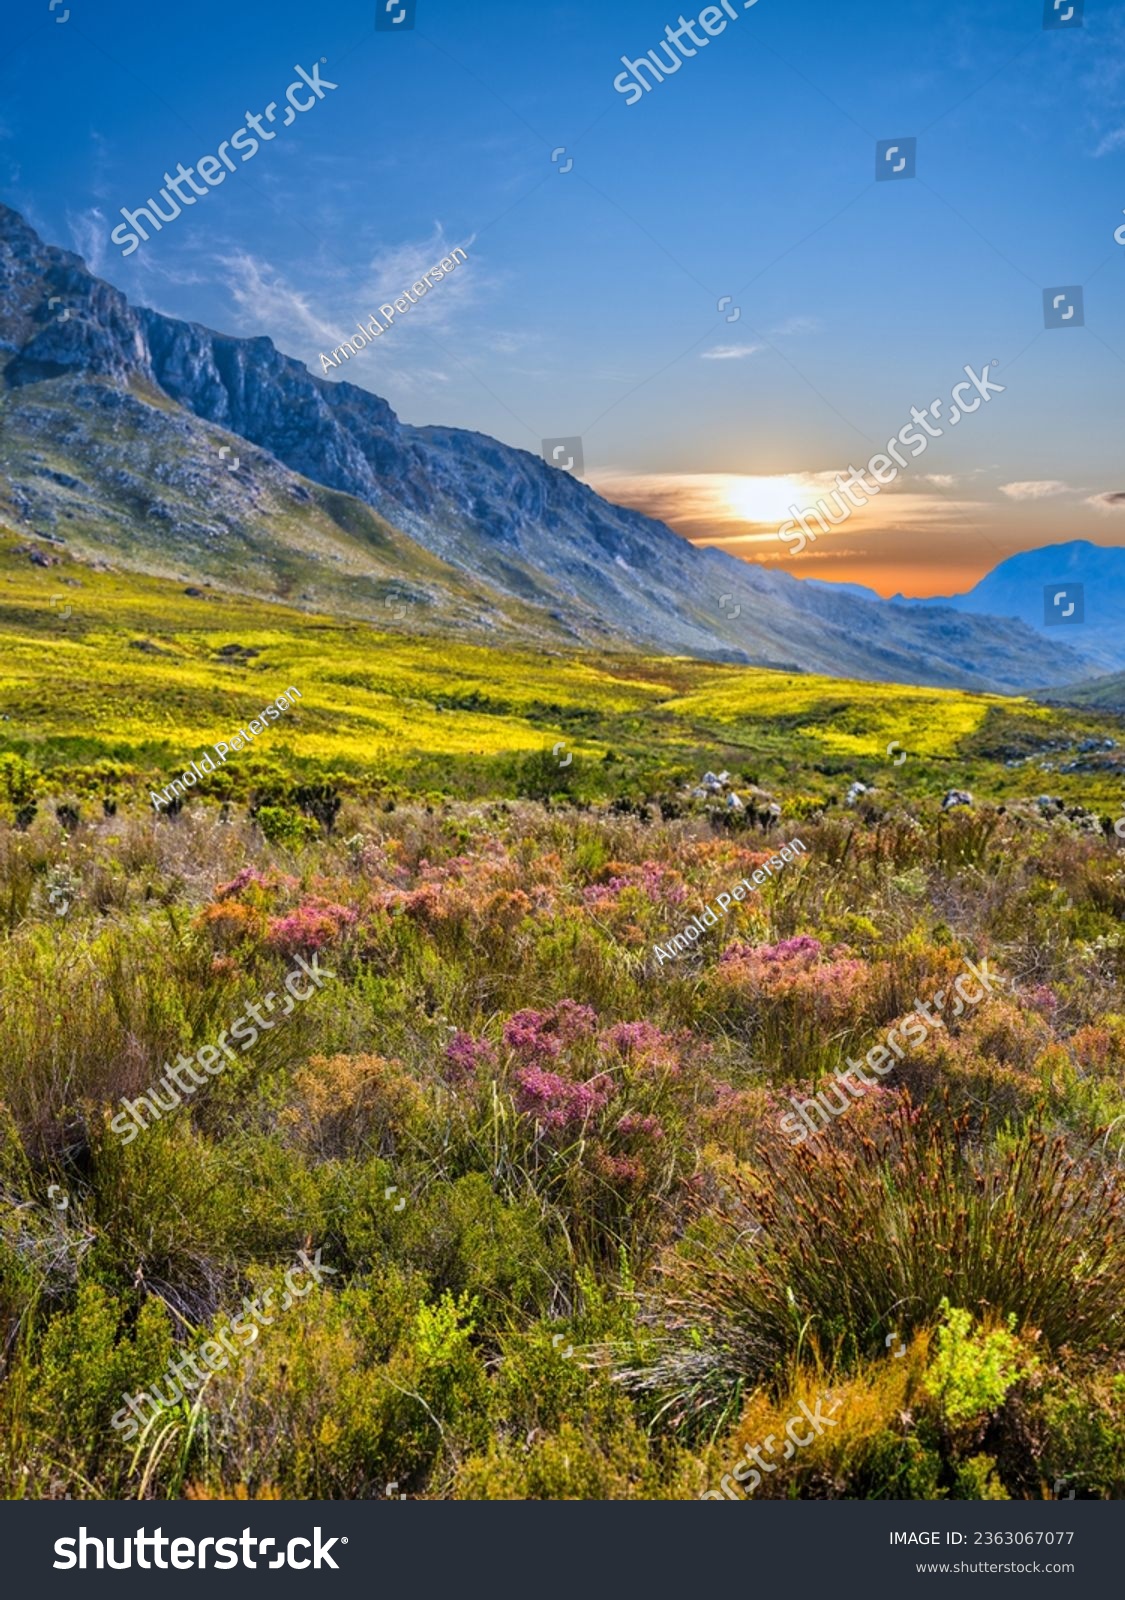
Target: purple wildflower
x=557, y=1102
x=464, y=1055
x=632, y=1124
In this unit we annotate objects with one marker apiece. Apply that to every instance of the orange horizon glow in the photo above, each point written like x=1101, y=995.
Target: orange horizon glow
x=930, y=536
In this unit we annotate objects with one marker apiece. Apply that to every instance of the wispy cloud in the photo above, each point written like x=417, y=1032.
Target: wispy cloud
x=1112, y=141
x=793, y=325
x=90, y=232
x=735, y=509
x=398, y=267
x=311, y=319
x=730, y=352
x=264, y=301
x=1112, y=500
x=1101, y=84
x=1034, y=489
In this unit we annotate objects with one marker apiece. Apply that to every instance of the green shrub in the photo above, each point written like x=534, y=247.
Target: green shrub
x=281, y=825
x=1082, y=1417
x=89, y=1361
x=567, y=1465
x=977, y=1480
x=19, y=783
x=971, y=1373
x=539, y=776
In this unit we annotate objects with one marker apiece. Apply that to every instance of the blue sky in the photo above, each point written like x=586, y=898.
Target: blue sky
x=589, y=302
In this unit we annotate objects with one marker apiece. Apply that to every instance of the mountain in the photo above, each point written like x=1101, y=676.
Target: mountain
x=1091, y=576
x=859, y=591
x=167, y=447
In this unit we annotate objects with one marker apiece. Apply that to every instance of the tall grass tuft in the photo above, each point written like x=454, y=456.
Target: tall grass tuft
x=838, y=1242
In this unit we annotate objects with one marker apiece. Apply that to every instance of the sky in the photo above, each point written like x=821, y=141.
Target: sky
x=703, y=282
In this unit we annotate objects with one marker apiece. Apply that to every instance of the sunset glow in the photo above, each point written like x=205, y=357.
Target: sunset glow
x=764, y=500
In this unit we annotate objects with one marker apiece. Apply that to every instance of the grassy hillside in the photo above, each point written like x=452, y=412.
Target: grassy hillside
x=1101, y=694
x=570, y=1245
x=111, y=680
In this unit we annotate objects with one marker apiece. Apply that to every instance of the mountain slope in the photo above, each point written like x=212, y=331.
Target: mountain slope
x=1096, y=694
x=123, y=475
x=518, y=544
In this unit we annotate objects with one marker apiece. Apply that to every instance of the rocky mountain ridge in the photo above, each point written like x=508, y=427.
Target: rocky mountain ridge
x=110, y=418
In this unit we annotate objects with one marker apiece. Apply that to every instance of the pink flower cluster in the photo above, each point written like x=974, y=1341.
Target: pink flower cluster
x=1043, y=998
x=311, y=926
x=240, y=881
x=539, y=1036
x=465, y=1055
x=643, y=1045
x=595, y=894
x=658, y=883
x=794, y=970
x=633, y=1125
x=801, y=951
x=629, y=1038
x=557, y=1102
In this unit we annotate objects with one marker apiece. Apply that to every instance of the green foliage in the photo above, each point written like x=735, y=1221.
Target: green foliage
x=1082, y=1415
x=539, y=776
x=977, y=1480
x=88, y=1365
x=566, y=1465
x=18, y=781
x=971, y=1372
x=828, y=1238
x=285, y=827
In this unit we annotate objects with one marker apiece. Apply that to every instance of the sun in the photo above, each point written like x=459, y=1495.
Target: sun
x=753, y=499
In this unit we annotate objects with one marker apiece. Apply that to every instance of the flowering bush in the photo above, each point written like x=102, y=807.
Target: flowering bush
x=799, y=984
x=312, y=926
x=552, y=1185
x=465, y=1056
x=557, y=1102
x=537, y=1036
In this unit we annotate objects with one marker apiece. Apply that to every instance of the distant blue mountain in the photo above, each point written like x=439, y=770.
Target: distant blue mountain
x=1091, y=577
